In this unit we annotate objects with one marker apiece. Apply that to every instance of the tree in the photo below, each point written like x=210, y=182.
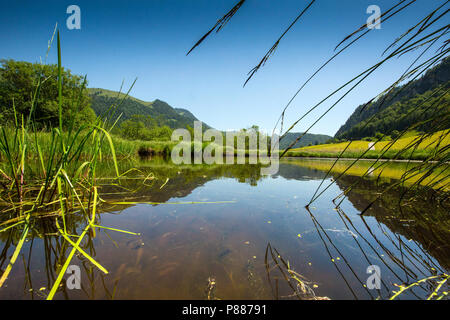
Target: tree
x=379, y=135
x=395, y=134
x=18, y=86
x=141, y=127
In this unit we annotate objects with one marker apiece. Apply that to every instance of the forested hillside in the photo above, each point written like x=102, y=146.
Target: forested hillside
x=308, y=139
x=159, y=111
x=410, y=104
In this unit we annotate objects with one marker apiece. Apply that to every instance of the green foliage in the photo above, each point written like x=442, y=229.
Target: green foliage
x=140, y=127
x=395, y=134
x=25, y=85
x=333, y=140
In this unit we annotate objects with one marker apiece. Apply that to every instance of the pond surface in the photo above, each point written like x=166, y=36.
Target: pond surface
x=208, y=230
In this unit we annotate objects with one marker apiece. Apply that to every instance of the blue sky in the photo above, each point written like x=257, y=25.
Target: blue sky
x=122, y=40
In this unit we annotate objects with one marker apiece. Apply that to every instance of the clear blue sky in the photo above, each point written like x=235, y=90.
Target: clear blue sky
x=122, y=40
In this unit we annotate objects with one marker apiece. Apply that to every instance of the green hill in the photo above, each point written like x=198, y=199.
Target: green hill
x=308, y=139
x=162, y=112
x=421, y=99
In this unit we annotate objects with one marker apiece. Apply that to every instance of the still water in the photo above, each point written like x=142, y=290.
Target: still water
x=205, y=231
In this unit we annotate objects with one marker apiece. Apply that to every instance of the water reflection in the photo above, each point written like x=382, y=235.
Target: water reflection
x=216, y=246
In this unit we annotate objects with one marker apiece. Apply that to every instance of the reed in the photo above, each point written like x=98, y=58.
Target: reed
x=61, y=188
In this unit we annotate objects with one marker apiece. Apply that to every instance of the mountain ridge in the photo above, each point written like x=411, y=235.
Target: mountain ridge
x=400, y=108
x=165, y=114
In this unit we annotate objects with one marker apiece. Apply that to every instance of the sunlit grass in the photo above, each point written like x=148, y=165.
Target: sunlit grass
x=411, y=147
x=440, y=138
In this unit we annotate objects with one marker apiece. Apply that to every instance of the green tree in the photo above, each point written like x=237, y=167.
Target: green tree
x=140, y=127
x=18, y=85
x=395, y=134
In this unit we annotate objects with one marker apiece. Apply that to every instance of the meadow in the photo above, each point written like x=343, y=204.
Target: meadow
x=419, y=147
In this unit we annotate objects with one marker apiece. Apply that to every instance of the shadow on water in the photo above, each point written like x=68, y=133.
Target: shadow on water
x=227, y=232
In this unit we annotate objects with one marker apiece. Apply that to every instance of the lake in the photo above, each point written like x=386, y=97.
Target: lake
x=227, y=232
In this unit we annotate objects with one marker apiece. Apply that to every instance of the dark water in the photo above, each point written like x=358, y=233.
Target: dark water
x=224, y=235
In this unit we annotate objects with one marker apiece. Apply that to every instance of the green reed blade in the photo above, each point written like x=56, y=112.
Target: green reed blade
x=118, y=230
x=73, y=244
x=16, y=252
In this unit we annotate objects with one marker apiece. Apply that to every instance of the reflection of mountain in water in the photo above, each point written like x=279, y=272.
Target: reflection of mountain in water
x=183, y=181
x=420, y=219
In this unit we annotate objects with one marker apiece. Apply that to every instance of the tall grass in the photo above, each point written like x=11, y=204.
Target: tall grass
x=68, y=158
x=123, y=148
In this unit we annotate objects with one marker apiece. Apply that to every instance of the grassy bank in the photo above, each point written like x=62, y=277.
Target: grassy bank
x=123, y=148
x=413, y=147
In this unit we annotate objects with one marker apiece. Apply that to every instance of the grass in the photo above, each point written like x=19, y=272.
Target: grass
x=436, y=294
x=123, y=148
x=301, y=288
x=409, y=148
x=67, y=189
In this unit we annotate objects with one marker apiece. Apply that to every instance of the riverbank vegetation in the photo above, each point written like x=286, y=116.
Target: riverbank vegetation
x=61, y=192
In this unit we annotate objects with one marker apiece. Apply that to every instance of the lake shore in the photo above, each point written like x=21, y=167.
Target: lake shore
x=350, y=159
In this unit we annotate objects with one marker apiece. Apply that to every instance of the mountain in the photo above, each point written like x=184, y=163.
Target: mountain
x=410, y=104
x=162, y=112
x=309, y=138
x=185, y=113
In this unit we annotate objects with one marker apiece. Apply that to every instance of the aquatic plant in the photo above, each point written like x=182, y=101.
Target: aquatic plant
x=64, y=188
